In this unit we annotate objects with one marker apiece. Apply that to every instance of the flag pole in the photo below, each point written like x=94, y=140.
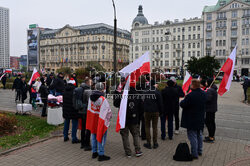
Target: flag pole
x=215, y=79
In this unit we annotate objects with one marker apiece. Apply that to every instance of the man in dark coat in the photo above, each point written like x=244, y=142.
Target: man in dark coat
x=176, y=112
x=245, y=86
x=153, y=108
x=193, y=117
x=211, y=108
x=75, y=78
x=4, y=78
x=43, y=90
x=23, y=89
x=17, y=86
x=49, y=81
x=171, y=102
x=69, y=113
x=58, y=85
x=132, y=121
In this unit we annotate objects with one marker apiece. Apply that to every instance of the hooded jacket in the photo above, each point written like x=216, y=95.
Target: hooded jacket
x=58, y=84
x=68, y=110
x=86, y=92
x=171, y=100
x=212, y=98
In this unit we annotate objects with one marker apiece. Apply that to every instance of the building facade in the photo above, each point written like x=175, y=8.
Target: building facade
x=81, y=46
x=14, y=62
x=23, y=61
x=170, y=44
x=227, y=24
x=4, y=38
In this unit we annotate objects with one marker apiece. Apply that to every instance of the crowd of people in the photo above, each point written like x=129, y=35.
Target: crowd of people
x=86, y=108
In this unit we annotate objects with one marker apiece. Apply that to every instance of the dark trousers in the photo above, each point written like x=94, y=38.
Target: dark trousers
x=85, y=134
x=142, y=125
x=177, y=119
x=45, y=101
x=151, y=117
x=245, y=94
x=4, y=83
x=195, y=138
x=163, y=126
x=134, y=130
x=210, y=123
x=170, y=126
x=18, y=94
x=74, y=128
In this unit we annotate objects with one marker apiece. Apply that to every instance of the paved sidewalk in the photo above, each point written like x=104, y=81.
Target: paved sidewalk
x=230, y=149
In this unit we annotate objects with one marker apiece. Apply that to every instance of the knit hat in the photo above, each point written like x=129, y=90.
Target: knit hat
x=72, y=81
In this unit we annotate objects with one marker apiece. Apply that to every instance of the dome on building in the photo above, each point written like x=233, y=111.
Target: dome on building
x=140, y=17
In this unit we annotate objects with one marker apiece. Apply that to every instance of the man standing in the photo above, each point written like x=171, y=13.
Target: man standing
x=23, y=89
x=193, y=117
x=43, y=90
x=176, y=112
x=171, y=102
x=211, y=108
x=245, y=86
x=75, y=78
x=98, y=120
x=58, y=85
x=85, y=134
x=152, y=111
x=17, y=87
x=4, y=78
x=49, y=82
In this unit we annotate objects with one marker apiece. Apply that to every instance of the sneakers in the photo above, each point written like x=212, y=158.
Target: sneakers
x=138, y=153
x=147, y=145
x=129, y=155
x=103, y=158
x=94, y=155
x=156, y=145
x=209, y=139
x=76, y=141
x=177, y=132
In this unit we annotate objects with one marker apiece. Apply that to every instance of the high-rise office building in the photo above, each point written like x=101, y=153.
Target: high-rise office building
x=4, y=38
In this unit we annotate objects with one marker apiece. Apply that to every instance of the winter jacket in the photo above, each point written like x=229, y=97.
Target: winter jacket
x=246, y=84
x=68, y=110
x=212, y=98
x=23, y=89
x=4, y=79
x=75, y=81
x=58, y=84
x=134, y=110
x=49, y=82
x=44, y=92
x=170, y=98
x=153, y=100
x=180, y=94
x=86, y=92
x=193, y=114
x=17, y=83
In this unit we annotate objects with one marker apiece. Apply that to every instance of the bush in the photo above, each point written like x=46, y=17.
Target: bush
x=7, y=124
x=82, y=73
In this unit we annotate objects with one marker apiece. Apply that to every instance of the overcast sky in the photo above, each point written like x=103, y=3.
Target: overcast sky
x=57, y=13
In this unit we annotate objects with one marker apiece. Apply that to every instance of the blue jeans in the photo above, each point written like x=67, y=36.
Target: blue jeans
x=170, y=126
x=58, y=93
x=52, y=92
x=101, y=145
x=74, y=128
x=195, y=138
x=163, y=126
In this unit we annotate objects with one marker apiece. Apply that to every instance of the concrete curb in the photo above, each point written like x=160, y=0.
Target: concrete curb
x=28, y=145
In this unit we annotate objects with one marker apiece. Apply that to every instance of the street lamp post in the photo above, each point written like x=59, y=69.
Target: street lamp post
x=182, y=56
x=115, y=36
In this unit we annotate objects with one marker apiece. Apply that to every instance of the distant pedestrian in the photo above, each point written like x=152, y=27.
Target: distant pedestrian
x=70, y=113
x=245, y=86
x=153, y=108
x=43, y=90
x=98, y=120
x=181, y=94
x=171, y=102
x=23, y=89
x=49, y=82
x=58, y=85
x=193, y=117
x=4, y=79
x=33, y=95
x=74, y=76
x=17, y=86
x=211, y=108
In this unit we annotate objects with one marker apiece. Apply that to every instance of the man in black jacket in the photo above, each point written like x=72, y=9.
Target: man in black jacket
x=4, y=78
x=58, y=85
x=69, y=113
x=176, y=112
x=171, y=102
x=193, y=117
x=132, y=121
x=17, y=86
x=245, y=86
x=211, y=108
x=152, y=110
x=43, y=90
x=49, y=81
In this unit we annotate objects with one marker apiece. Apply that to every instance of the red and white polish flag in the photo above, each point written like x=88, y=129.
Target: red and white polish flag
x=132, y=72
x=228, y=69
x=8, y=71
x=34, y=76
x=187, y=81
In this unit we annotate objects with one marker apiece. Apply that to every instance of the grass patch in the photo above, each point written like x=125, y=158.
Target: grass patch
x=29, y=127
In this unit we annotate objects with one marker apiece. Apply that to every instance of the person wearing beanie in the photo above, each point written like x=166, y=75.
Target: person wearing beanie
x=176, y=112
x=211, y=108
x=43, y=90
x=171, y=101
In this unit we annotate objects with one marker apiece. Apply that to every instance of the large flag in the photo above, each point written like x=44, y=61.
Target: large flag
x=2, y=76
x=228, y=69
x=187, y=81
x=98, y=117
x=8, y=71
x=132, y=72
x=34, y=76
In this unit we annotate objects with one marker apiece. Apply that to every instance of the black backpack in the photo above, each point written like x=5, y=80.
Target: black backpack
x=78, y=99
x=182, y=153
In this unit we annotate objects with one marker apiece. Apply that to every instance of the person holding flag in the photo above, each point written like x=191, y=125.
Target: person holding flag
x=98, y=120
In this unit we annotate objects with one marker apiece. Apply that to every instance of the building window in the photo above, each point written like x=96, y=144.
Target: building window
x=199, y=28
x=166, y=63
x=209, y=16
x=234, y=13
x=234, y=23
